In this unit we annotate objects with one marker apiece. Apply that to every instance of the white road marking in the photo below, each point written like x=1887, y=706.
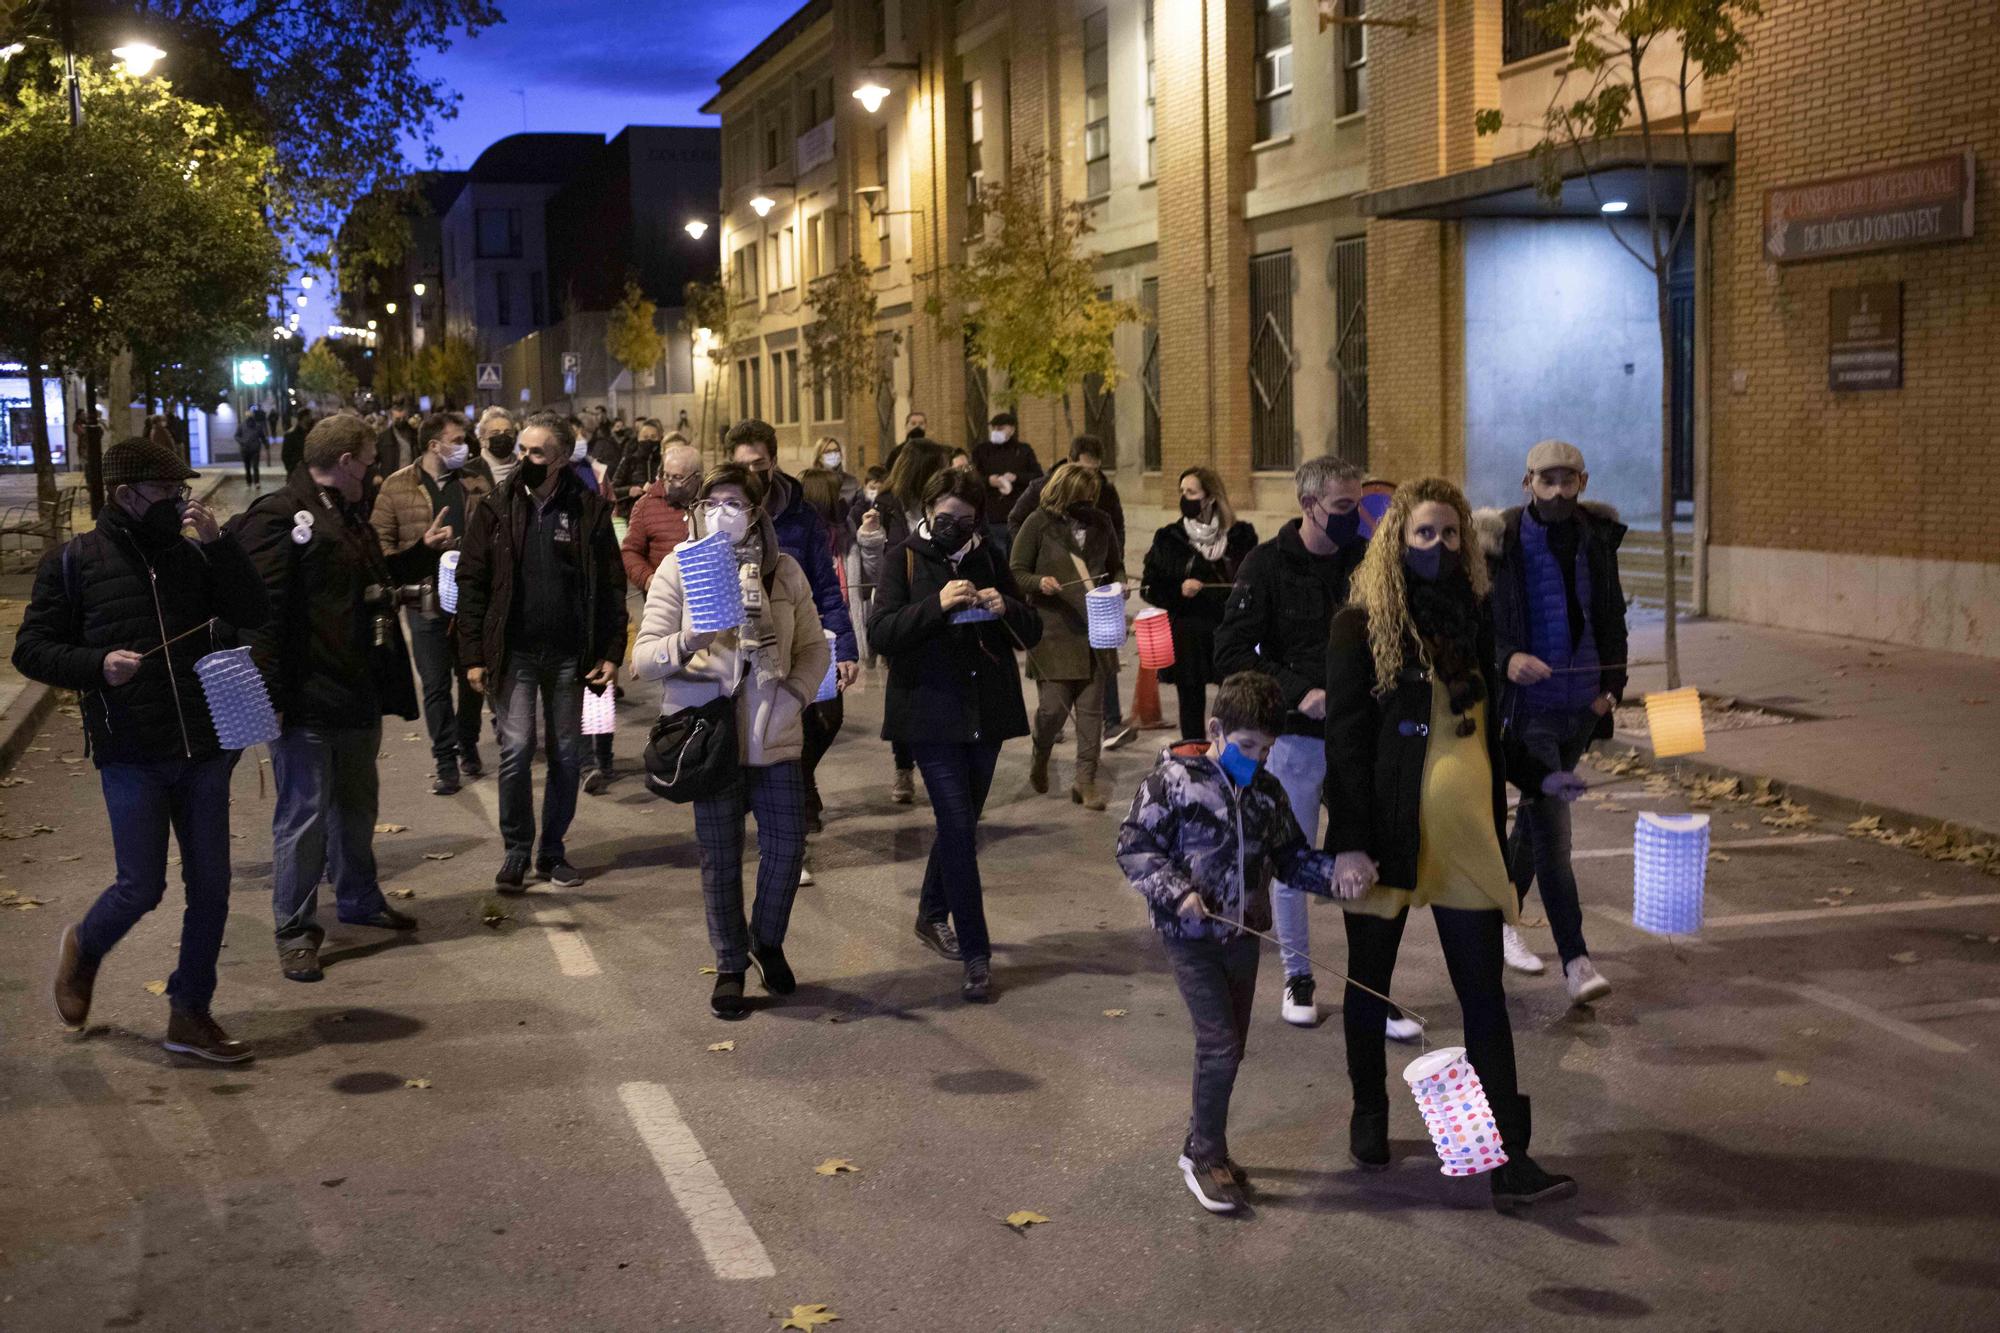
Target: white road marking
x=1909, y=1032
x=1794, y=840
x=1858, y=909
x=1930, y=1013
x=726, y=1237
x=573, y=953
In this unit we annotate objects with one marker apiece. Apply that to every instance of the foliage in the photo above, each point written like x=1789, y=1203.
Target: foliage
x=323, y=376
x=842, y=349
x=444, y=371
x=706, y=305
x=630, y=335
x=1027, y=295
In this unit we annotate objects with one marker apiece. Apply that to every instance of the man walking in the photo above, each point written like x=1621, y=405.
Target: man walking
x=292, y=449
x=119, y=614
x=541, y=616
x=419, y=515
x=398, y=440
x=660, y=518
x=1559, y=625
x=1276, y=622
x=1008, y=464
x=334, y=660
x=495, y=433
x=638, y=467
x=802, y=535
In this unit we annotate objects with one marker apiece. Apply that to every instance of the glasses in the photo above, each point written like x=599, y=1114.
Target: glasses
x=156, y=491
x=724, y=508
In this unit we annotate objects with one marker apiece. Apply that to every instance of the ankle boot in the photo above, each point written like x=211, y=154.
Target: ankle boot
x=1084, y=792
x=1038, y=771
x=1521, y=1182
x=1368, y=1138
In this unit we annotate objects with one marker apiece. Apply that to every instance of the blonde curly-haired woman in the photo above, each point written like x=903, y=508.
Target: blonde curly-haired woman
x=1416, y=768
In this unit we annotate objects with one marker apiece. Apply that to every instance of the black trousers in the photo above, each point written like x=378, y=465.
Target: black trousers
x=1471, y=942
x=822, y=724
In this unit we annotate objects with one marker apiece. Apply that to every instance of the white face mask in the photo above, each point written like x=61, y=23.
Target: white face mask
x=454, y=457
x=733, y=526
x=999, y=436
x=581, y=452
x=871, y=491
x=829, y=460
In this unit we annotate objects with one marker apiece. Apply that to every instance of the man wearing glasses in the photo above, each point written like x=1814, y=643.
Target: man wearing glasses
x=541, y=617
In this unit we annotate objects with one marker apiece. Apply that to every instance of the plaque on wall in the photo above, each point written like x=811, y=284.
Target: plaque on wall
x=1864, y=344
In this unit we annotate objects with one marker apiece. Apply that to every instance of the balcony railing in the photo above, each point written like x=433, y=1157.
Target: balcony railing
x=1520, y=35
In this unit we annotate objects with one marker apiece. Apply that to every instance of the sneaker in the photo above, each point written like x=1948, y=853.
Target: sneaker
x=939, y=937
x=1520, y=1183
x=904, y=789
x=1211, y=1183
x=1236, y=1171
x=1401, y=1027
x=445, y=784
x=202, y=1037
x=301, y=963
x=76, y=978
x=1121, y=738
x=806, y=873
x=1519, y=956
x=1298, y=1008
x=469, y=764
x=596, y=781
x=560, y=873
x=1584, y=981
x=513, y=874
x=773, y=970
x=978, y=987
x=1038, y=772
x=386, y=919
x=726, y=1000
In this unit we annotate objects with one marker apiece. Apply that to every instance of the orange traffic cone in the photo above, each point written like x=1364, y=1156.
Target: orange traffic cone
x=1146, y=701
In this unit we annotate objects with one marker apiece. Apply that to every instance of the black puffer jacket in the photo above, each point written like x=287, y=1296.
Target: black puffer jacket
x=494, y=537
x=136, y=595
x=317, y=651
x=1277, y=617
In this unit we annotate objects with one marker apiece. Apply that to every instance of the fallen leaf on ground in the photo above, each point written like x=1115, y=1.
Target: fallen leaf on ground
x=416, y=1083
x=15, y=782
x=1738, y=824
x=722, y=1046
x=1790, y=1080
x=75, y=856
x=1613, y=808
x=1831, y=902
x=492, y=912
x=708, y=971
x=1024, y=1219
x=1972, y=703
x=439, y=856
x=806, y=1318
x=411, y=736
x=402, y=893
x=335, y=1181
x=1865, y=824
x=392, y=828
x=1718, y=856
x=1906, y=957
x=1116, y=1013
x=836, y=1166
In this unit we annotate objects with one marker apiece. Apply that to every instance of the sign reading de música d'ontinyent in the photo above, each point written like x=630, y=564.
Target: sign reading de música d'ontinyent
x=1916, y=203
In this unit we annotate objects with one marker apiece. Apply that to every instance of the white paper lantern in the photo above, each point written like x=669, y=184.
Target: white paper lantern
x=238, y=703
x=1455, y=1112
x=1669, y=873
x=600, y=711
x=1105, y=610
x=829, y=688
x=709, y=583
x=448, y=582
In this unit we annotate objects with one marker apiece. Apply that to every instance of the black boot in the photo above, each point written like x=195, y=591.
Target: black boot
x=1368, y=1139
x=1521, y=1182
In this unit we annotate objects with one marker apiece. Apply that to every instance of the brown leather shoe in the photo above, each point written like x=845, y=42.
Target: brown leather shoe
x=1085, y=794
x=202, y=1037
x=75, y=979
x=301, y=963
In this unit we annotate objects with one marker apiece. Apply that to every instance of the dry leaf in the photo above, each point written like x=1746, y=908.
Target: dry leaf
x=392, y=828
x=156, y=987
x=1024, y=1219
x=78, y=856
x=806, y=1318
x=708, y=971
x=1718, y=856
x=416, y=1083
x=1790, y=1080
x=1116, y=1013
x=1906, y=957
x=412, y=736
x=14, y=782
x=402, y=893
x=1738, y=824
x=836, y=1166
x=723, y=1046
x=1613, y=808
x=439, y=856
x=493, y=912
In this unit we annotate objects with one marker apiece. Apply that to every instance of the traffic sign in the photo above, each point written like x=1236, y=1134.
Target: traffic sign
x=489, y=374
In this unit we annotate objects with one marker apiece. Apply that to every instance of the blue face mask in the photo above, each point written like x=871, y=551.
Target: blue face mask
x=1343, y=530
x=1240, y=767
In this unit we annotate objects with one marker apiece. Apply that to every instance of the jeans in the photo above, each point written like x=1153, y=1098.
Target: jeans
x=776, y=794
x=1471, y=942
x=1114, y=711
x=957, y=777
x=144, y=801
x=1299, y=764
x=1056, y=700
x=552, y=679
x=454, y=732
x=324, y=823
x=1538, y=851
x=1218, y=979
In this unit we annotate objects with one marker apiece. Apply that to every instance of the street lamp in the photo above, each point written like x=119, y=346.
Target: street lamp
x=418, y=288
x=871, y=95
x=302, y=300
x=389, y=306
x=696, y=228
x=9, y=51
x=306, y=281
x=371, y=326
x=762, y=205
x=138, y=58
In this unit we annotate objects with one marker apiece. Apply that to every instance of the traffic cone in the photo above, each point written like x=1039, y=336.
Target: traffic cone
x=1146, y=701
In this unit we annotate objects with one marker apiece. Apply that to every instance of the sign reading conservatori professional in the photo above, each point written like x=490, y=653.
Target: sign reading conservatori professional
x=1918, y=203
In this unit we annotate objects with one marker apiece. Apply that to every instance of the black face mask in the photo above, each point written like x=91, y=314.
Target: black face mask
x=1557, y=509
x=949, y=532
x=500, y=445
x=532, y=475
x=162, y=521
x=1431, y=563
x=681, y=493
x=916, y=433
x=1192, y=508
x=1343, y=530
x=1081, y=511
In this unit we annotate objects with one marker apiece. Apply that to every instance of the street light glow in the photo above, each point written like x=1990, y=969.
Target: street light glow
x=371, y=326
x=252, y=372
x=9, y=51
x=306, y=281
x=302, y=301
x=390, y=307
x=697, y=228
x=871, y=96
x=1613, y=206
x=139, y=58
x=762, y=205
x=418, y=288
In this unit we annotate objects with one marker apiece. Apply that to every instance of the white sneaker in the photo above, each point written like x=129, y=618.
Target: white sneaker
x=1299, y=1009
x=1584, y=981
x=1404, y=1029
x=1519, y=956
x=805, y=874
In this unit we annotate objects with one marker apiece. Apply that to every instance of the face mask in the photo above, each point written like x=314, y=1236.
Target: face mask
x=734, y=526
x=830, y=461
x=681, y=493
x=1555, y=510
x=1240, y=767
x=581, y=452
x=949, y=532
x=1343, y=530
x=162, y=520
x=871, y=492
x=454, y=457
x=500, y=445
x=916, y=433
x=999, y=437
x=1192, y=508
x=532, y=475
x=1082, y=510
x=1431, y=563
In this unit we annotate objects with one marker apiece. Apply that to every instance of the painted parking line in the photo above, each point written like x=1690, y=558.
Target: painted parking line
x=1858, y=909
x=1791, y=840
x=573, y=953
x=724, y=1233
x=1854, y=1009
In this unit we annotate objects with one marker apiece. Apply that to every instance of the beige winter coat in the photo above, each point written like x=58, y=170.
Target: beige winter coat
x=772, y=687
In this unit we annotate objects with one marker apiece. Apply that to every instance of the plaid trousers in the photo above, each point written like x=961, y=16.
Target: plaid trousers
x=776, y=794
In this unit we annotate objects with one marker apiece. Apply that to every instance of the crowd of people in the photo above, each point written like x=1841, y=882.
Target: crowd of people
x=1387, y=662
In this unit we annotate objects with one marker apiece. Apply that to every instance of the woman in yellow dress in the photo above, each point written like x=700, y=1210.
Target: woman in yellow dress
x=1416, y=770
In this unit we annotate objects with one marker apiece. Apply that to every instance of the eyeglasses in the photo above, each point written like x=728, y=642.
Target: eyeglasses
x=179, y=495
x=724, y=508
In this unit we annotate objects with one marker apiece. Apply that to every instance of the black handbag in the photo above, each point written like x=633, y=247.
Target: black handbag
x=691, y=755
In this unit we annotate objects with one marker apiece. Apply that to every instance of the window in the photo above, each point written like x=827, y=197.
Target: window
x=778, y=387
x=1152, y=131
x=975, y=151
x=497, y=232
x=777, y=138
x=1271, y=444
x=784, y=264
x=878, y=27
x=1353, y=47
x=503, y=299
x=1350, y=348
x=744, y=271
x=1274, y=68
x=1097, y=104
x=791, y=385
x=1149, y=369
x=880, y=203
x=1520, y=36
x=1100, y=409
x=537, y=305
x=746, y=405
x=977, y=397
x=827, y=404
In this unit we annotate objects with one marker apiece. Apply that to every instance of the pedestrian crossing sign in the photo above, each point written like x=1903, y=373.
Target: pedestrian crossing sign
x=489, y=374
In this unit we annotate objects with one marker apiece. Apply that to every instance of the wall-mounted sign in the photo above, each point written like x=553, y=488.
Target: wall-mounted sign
x=1919, y=203
x=815, y=146
x=489, y=375
x=1864, y=342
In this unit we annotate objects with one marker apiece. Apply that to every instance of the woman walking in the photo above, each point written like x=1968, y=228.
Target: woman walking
x=772, y=665
x=1417, y=807
x=954, y=695
x=1188, y=573
x=1066, y=548
x=879, y=529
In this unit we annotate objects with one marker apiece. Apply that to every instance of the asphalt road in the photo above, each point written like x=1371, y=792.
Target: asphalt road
x=580, y=1158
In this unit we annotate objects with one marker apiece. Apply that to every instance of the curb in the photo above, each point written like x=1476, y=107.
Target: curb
x=31, y=708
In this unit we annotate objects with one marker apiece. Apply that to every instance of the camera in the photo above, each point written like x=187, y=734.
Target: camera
x=383, y=599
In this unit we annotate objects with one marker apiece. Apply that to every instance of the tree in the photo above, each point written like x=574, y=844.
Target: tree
x=1608, y=42
x=709, y=314
x=630, y=335
x=322, y=375
x=843, y=351
x=1026, y=297
x=444, y=370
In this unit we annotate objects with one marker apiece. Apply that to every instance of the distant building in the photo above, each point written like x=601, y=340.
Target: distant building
x=624, y=215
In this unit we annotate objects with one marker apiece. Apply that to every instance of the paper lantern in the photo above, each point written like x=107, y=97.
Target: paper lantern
x=1674, y=719
x=238, y=703
x=970, y=615
x=829, y=689
x=1669, y=873
x=448, y=583
x=1105, y=614
x=1455, y=1112
x=619, y=527
x=1156, y=638
x=709, y=582
x=600, y=711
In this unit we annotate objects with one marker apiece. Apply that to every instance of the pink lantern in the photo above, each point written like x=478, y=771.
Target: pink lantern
x=600, y=711
x=1156, y=638
x=1455, y=1112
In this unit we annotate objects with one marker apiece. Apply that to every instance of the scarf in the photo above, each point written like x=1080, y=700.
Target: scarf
x=1446, y=617
x=1208, y=539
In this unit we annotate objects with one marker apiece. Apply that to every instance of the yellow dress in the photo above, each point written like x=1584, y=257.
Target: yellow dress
x=1459, y=862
